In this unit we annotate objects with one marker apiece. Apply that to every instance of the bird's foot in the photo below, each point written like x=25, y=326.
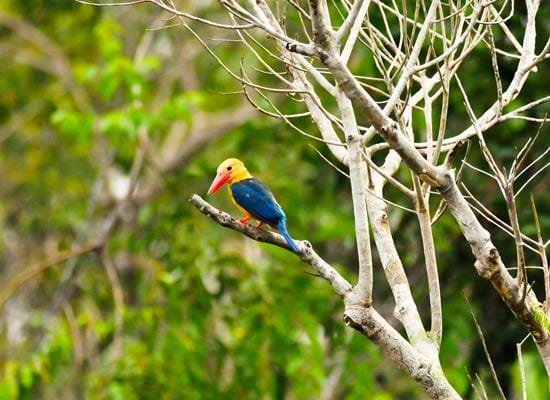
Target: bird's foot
x=244, y=220
x=259, y=225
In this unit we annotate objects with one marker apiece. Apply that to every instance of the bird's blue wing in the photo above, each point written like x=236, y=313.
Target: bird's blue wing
x=257, y=199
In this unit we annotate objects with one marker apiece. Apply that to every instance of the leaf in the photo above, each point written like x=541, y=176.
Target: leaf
x=71, y=123
x=178, y=109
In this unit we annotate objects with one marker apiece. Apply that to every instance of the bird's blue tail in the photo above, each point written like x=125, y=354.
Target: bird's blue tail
x=283, y=231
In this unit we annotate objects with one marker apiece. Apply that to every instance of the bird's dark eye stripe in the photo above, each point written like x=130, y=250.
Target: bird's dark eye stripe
x=229, y=168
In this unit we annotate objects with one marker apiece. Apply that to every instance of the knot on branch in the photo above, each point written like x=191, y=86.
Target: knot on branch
x=398, y=312
x=447, y=179
x=484, y=271
x=305, y=248
x=494, y=257
x=359, y=318
x=348, y=320
x=300, y=49
x=323, y=56
x=488, y=267
x=422, y=373
x=390, y=130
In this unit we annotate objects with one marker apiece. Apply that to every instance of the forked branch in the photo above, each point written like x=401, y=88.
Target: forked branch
x=364, y=319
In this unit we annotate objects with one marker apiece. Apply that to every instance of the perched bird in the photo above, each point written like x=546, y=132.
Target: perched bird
x=252, y=197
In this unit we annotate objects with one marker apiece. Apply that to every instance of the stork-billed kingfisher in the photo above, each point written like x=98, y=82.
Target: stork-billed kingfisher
x=252, y=197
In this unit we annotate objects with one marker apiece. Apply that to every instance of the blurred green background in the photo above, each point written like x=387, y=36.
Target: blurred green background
x=90, y=96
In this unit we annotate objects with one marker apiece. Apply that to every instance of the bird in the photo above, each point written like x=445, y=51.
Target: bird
x=252, y=197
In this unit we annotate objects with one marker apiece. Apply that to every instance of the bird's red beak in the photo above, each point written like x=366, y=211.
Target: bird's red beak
x=218, y=182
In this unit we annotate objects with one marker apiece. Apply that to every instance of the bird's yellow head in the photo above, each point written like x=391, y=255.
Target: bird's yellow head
x=231, y=170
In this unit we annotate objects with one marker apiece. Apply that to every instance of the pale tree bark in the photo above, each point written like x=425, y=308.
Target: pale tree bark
x=363, y=318
x=415, y=73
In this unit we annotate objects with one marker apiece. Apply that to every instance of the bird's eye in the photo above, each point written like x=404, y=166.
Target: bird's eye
x=229, y=168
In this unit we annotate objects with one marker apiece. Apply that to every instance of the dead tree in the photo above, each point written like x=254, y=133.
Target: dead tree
x=418, y=52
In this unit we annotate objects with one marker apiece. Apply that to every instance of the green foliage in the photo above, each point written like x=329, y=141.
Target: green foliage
x=74, y=124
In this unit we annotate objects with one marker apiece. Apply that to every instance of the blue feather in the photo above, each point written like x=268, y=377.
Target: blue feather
x=257, y=199
x=283, y=231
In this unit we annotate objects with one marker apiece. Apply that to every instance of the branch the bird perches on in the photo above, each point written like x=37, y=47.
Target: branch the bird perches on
x=307, y=254
x=362, y=317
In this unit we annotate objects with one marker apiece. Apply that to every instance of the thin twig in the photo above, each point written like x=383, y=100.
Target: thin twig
x=485, y=349
x=522, y=372
x=118, y=300
x=27, y=274
x=543, y=257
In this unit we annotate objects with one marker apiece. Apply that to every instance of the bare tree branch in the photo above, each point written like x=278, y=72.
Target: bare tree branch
x=357, y=172
x=307, y=254
x=363, y=318
x=428, y=244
